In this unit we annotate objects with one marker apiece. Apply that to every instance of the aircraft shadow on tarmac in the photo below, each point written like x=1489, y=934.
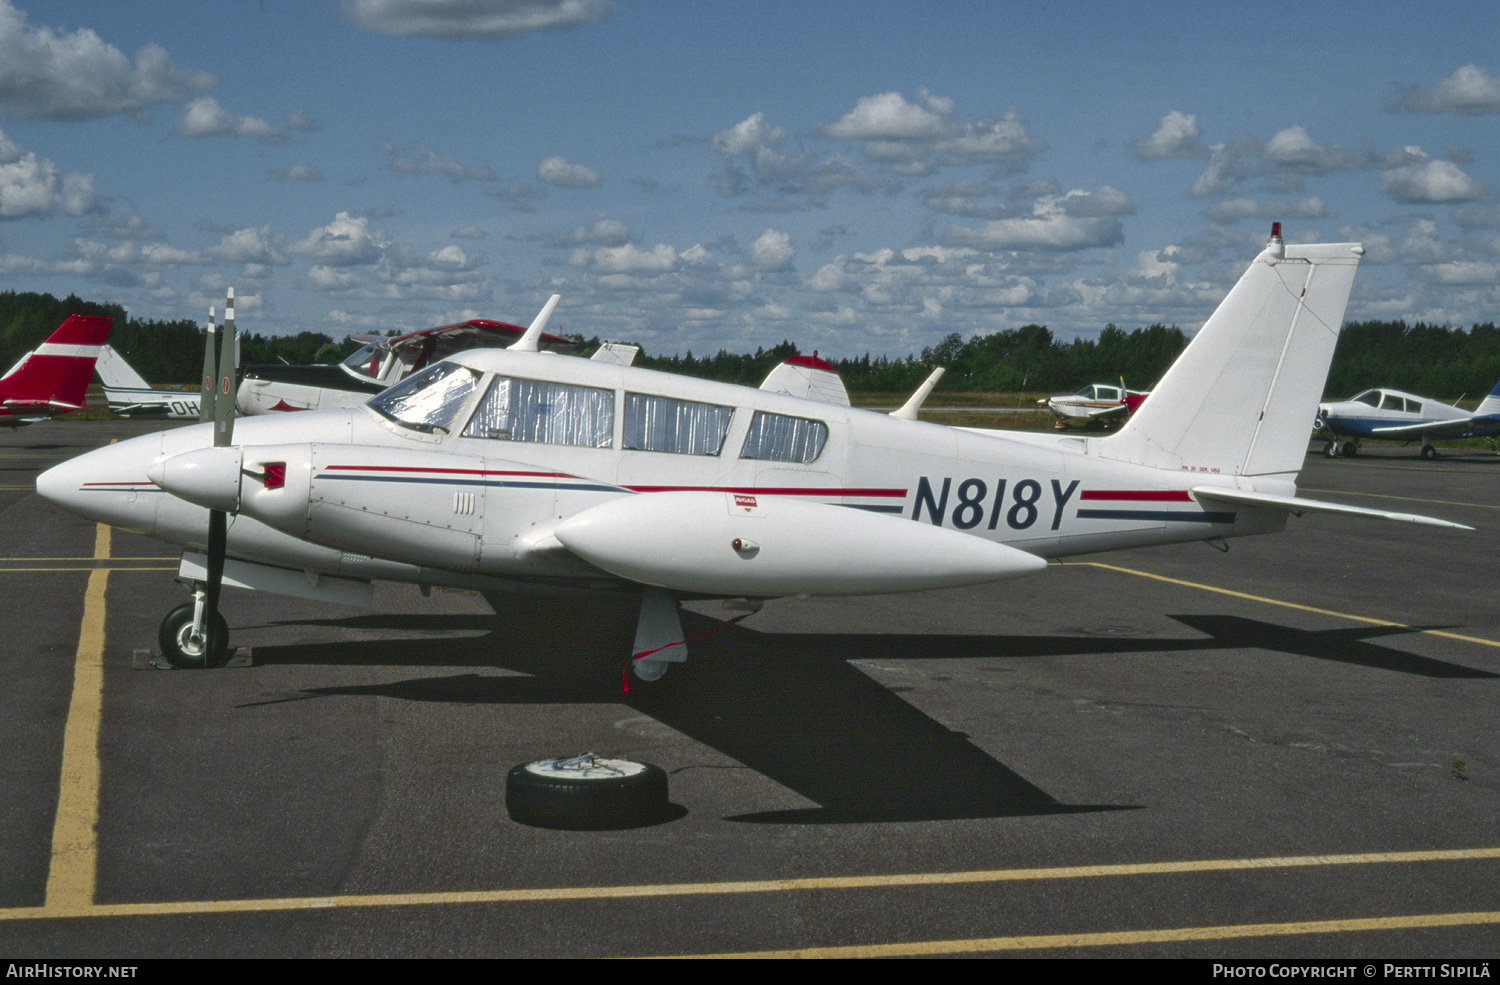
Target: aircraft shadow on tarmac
x=789, y=706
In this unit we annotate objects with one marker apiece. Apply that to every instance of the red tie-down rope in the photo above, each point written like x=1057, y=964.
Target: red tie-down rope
x=625, y=672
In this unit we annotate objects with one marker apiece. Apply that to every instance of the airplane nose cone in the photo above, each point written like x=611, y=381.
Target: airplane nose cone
x=108, y=484
x=208, y=477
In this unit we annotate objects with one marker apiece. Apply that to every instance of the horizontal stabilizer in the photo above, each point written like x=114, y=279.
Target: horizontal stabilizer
x=1298, y=505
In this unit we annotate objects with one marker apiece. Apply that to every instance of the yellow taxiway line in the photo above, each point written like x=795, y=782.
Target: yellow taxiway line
x=70, y=881
x=910, y=880
x=1116, y=939
x=1284, y=604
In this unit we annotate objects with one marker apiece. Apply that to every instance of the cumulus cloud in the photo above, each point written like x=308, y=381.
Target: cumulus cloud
x=424, y=160
x=251, y=245
x=344, y=242
x=751, y=135
x=915, y=138
x=1431, y=182
x=557, y=171
x=889, y=116
x=35, y=186
x=204, y=117
x=627, y=259
x=60, y=75
x=1076, y=221
x=754, y=160
x=297, y=172
x=1233, y=209
x=1294, y=148
x=603, y=231
x=771, y=251
x=472, y=20
x=1176, y=138
x=1469, y=90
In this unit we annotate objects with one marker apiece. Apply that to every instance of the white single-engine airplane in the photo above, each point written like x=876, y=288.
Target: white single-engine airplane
x=500, y=466
x=1097, y=403
x=1399, y=416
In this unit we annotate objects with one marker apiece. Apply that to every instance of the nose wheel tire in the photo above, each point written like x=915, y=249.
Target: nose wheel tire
x=184, y=649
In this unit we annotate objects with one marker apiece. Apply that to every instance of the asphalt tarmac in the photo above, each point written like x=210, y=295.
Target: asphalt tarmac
x=1286, y=750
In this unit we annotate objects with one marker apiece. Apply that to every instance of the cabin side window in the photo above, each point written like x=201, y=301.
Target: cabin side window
x=680, y=427
x=778, y=438
x=428, y=401
x=548, y=413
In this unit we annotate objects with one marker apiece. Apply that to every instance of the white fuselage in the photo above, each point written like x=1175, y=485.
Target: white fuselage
x=381, y=500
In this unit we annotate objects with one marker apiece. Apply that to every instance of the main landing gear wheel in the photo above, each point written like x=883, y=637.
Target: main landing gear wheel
x=586, y=793
x=1429, y=452
x=184, y=649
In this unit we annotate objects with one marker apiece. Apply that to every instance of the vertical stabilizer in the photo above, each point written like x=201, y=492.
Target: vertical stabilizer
x=1241, y=398
x=1491, y=403
x=59, y=371
x=114, y=371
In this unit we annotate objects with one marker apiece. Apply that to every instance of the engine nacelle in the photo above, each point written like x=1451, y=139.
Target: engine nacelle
x=756, y=545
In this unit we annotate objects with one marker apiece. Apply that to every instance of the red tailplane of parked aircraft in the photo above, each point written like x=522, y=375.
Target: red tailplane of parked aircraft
x=54, y=377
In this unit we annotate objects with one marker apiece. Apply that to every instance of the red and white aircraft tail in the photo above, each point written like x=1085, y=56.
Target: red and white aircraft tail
x=54, y=377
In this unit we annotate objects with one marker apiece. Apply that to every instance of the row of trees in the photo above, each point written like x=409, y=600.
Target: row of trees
x=1434, y=360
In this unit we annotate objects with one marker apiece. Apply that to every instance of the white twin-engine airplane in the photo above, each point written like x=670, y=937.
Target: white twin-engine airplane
x=500, y=466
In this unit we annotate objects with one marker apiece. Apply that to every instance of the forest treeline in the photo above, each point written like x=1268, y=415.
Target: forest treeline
x=1433, y=360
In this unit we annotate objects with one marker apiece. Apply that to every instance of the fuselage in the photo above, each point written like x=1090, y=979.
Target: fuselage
x=1363, y=414
x=474, y=497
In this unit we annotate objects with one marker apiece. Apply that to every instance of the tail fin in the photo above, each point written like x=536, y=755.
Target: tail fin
x=58, y=372
x=114, y=371
x=1491, y=403
x=1241, y=398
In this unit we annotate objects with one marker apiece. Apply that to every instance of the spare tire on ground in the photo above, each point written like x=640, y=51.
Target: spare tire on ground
x=586, y=793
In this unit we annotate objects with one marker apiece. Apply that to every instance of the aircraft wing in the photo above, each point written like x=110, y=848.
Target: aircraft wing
x=1299, y=505
x=475, y=333
x=1464, y=427
x=1096, y=413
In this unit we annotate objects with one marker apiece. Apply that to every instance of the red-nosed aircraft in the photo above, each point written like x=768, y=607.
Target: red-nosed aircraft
x=1097, y=403
x=380, y=362
x=54, y=377
x=502, y=467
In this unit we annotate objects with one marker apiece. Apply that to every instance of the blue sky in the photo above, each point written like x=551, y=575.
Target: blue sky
x=858, y=176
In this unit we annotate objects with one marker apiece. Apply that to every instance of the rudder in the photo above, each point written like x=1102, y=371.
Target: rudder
x=1241, y=398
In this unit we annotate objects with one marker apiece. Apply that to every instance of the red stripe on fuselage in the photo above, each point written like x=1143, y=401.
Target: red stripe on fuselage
x=1138, y=495
x=775, y=490
x=437, y=471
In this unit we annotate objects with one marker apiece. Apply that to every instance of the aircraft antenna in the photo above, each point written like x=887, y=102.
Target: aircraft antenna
x=531, y=341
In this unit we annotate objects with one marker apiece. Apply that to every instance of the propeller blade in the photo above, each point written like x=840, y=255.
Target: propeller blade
x=224, y=398
x=218, y=536
x=210, y=376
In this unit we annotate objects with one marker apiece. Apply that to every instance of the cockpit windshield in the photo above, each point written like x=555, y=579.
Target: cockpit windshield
x=428, y=401
x=1371, y=397
x=366, y=361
